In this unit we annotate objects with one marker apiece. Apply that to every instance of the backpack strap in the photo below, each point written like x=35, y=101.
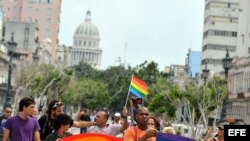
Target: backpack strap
x=46, y=123
x=135, y=139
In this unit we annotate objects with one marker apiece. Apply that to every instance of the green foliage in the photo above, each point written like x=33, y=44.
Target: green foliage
x=90, y=94
x=202, y=99
x=163, y=106
x=85, y=71
x=163, y=94
x=36, y=78
x=117, y=79
x=148, y=71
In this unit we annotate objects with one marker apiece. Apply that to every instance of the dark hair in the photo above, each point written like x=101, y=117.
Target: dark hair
x=62, y=119
x=106, y=115
x=26, y=101
x=53, y=104
x=157, y=124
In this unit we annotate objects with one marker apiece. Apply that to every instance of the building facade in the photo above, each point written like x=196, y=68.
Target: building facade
x=44, y=13
x=86, y=44
x=238, y=103
x=193, y=63
x=226, y=27
x=24, y=34
x=220, y=32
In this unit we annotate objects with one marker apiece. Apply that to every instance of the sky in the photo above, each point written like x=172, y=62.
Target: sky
x=137, y=30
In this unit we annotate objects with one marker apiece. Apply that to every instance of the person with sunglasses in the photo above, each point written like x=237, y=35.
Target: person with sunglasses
x=220, y=133
x=3, y=119
x=55, y=108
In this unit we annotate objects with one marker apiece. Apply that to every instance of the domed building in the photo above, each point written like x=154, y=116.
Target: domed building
x=86, y=44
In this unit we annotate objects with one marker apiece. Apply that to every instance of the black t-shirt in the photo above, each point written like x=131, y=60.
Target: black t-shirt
x=53, y=136
x=45, y=131
x=85, y=118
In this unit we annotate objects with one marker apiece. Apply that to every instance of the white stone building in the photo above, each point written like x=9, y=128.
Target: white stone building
x=238, y=105
x=226, y=26
x=86, y=44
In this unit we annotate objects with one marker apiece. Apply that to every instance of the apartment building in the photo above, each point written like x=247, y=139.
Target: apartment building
x=44, y=13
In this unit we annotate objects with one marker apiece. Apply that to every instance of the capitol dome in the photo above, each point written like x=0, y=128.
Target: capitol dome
x=86, y=44
x=87, y=28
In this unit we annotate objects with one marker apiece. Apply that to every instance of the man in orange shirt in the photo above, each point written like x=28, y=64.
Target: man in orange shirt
x=140, y=132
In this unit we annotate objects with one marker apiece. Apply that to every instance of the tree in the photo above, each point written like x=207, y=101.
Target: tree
x=86, y=93
x=84, y=70
x=147, y=71
x=41, y=80
x=164, y=105
x=199, y=100
x=117, y=79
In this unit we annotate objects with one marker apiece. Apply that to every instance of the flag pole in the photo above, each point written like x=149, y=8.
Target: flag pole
x=128, y=91
x=132, y=112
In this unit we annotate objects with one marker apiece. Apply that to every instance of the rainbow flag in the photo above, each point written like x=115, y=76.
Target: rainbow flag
x=138, y=88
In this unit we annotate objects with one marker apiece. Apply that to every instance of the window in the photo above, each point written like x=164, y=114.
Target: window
x=48, y=32
x=25, y=43
x=50, y=11
x=29, y=19
x=26, y=32
x=218, y=47
x=49, y=21
x=50, y=1
x=30, y=10
x=219, y=33
x=90, y=44
x=14, y=9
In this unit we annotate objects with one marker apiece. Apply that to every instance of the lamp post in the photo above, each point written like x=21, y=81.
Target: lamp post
x=11, y=45
x=205, y=73
x=226, y=62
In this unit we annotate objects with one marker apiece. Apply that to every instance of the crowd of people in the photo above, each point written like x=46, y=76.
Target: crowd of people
x=54, y=124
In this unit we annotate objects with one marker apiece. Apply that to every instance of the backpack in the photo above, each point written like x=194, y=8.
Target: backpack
x=46, y=123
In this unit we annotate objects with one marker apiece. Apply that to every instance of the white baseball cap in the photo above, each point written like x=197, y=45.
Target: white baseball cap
x=117, y=114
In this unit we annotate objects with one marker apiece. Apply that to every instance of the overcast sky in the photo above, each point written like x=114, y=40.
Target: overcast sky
x=154, y=30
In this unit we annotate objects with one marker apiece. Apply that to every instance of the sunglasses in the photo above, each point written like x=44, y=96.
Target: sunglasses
x=57, y=104
x=8, y=111
x=151, y=124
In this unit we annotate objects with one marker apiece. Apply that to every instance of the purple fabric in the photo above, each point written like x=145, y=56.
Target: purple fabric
x=169, y=137
x=20, y=129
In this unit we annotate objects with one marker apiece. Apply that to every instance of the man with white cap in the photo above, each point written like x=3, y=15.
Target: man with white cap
x=117, y=119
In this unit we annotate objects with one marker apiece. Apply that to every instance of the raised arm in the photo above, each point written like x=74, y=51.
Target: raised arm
x=125, y=119
x=80, y=124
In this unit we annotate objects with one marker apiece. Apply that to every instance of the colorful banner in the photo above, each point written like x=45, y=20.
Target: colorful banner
x=91, y=137
x=170, y=137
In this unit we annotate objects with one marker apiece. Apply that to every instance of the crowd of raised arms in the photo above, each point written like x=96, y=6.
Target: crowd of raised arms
x=54, y=125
